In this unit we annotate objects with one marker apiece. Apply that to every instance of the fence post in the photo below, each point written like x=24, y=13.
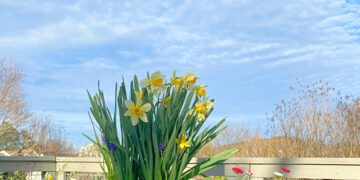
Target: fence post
x=61, y=176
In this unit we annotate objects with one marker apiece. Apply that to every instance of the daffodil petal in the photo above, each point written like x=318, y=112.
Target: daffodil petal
x=209, y=104
x=134, y=120
x=202, y=85
x=182, y=139
x=157, y=74
x=127, y=113
x=144, y=83
x=161, y=88
x=129, y=104
x=143, y=117
x=197, y=104
x=146, y=107
x=201, y=117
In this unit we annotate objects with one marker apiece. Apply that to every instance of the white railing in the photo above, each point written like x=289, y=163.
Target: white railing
x=311, y=168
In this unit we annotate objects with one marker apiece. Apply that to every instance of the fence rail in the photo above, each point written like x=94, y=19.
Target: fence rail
x=311, y=168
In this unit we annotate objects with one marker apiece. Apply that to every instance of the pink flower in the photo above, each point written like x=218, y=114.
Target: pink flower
x=237, y=170
x=285, y=170
x=248, y=172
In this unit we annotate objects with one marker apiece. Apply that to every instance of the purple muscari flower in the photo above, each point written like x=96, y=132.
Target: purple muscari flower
x=112, y=147
x=161, y=147
x=103, y=140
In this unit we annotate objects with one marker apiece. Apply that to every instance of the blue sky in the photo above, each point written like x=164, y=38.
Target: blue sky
x=248, y=51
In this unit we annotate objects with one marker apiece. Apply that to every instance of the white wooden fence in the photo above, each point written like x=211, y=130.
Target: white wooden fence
x=311, y=168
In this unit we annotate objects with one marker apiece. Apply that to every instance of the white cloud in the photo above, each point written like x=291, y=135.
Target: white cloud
x=68, y=32
x=96, y=63
x=190, y=31
x=72, y=45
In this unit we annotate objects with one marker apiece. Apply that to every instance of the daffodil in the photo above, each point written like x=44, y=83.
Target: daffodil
x=137, y=111
x=156, y=82
x=208, y=104
x=182, y=142
x=200, y=109
x=200, y=90
x=177, y=81
x=200, y=115
x=190, y=78
x=50, y=177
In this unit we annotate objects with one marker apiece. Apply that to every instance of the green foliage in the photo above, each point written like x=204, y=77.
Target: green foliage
x=137, y=155
x=15, y=139
x=10, y=140
x=12, y=175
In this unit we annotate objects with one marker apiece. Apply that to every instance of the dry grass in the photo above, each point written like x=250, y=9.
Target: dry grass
x=319, y=122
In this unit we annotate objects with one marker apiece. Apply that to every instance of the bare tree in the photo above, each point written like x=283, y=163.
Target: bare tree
x=21, y=130
x=46, y=137
x=13, y=110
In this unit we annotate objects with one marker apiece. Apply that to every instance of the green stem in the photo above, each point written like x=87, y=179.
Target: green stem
x=244, y=177
x=182, y=153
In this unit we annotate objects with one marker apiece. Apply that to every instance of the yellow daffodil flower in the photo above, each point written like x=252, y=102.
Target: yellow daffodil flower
x=136, y=111
x=200, y=117
x=177, y=81
x=200, y=90
x=201, y=109
x=50, y=177
x=182, y=143
x=156, y=82
x=190, y=78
